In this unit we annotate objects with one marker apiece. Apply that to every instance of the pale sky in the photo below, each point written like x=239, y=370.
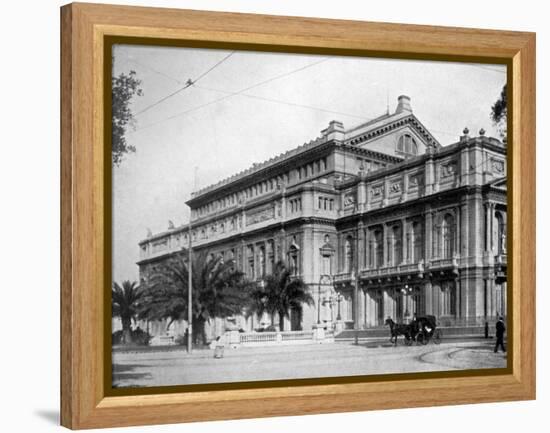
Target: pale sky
x=297, y=101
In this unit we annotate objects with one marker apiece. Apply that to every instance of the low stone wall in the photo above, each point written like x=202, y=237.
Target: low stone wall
x=257, y=339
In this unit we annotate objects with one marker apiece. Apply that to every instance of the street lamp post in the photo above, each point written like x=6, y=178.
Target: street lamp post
x=190, y=293
x=319, y=305
x=339, y=299
x=407, y=291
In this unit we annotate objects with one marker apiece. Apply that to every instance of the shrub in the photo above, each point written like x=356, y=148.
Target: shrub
x=139, y=337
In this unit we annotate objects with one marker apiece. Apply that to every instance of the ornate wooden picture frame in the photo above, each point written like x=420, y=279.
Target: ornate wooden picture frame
x=87, y=32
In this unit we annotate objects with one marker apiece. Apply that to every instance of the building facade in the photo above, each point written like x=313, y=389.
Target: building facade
x=379, y=220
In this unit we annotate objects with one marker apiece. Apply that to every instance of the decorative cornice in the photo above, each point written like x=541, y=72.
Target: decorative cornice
x=271, y=163
x=384, y=129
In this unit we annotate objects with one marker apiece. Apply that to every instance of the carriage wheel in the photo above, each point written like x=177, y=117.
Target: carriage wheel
x=437, y=337
x=408, y=342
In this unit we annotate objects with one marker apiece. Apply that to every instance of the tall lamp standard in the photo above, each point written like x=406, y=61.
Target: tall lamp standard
x=339, y=300
x=323, y=279
x=407, y=290
x=319, y=303
x=190, y=294
x=190, y=276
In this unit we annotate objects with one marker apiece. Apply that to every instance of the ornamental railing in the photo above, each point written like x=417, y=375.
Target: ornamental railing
x=283, y=337
x=407, y=268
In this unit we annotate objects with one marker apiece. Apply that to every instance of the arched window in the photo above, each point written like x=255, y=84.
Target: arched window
x=397, y=245
x=448, y=299
x=448, y=235
x=417, y=242
x=270, y=256
x=250, y=269
x=406, y=146
x=379, y=248
x=293, y=259
x=261, y=261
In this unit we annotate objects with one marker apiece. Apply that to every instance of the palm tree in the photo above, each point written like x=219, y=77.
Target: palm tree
x=218, y=290
x=280, y=293
x=125, y=303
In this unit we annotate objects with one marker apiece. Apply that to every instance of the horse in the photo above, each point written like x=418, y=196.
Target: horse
x=397, y=329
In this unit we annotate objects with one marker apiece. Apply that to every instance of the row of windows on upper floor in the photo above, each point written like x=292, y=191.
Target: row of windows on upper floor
x=398, y=244
x=406, y=244
x=259, y=259
x=266, y=186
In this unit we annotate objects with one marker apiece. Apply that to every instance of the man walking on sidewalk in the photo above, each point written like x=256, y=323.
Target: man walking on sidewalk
x=500, y=335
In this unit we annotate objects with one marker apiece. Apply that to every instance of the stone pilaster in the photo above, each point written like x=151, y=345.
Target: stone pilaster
x=429, y=172
x=428, y=297
x=463, y=231
x=362, y=194
x=428, y=232
x=405, y=187
x=385, y=245
x=361, y=264
x=403, y=240
x=360, y=308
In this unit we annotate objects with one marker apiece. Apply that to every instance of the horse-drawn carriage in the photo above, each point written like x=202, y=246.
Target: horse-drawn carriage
x=422, y=329
x=425, y=329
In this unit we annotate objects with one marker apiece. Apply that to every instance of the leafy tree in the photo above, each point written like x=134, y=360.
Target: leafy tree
x=218, y=291
x=124, y=88
x=280, y=293
x=499, y=112
x=125, y=302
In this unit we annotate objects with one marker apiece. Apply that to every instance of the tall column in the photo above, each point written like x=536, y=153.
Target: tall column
x=283, y=205
x=282, y=243
x=404, y=245
x=385, y=245
x=492, y=222
x=360, y=247
x=386, y=193
x=243, y=220
x=487, y=230
x=463, y=230
x=405, y=187
x=360, y=308
x=428, y=297
x=428, y=231
x=308, y=255
x=367, y=198
x=361, y=193
x=430, y=172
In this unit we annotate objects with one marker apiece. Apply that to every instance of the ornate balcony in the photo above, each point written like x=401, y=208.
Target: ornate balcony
x=446, y=264
x=390, y=271
x=343, y=277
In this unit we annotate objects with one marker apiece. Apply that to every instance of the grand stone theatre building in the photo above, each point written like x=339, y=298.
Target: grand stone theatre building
x=379, y=220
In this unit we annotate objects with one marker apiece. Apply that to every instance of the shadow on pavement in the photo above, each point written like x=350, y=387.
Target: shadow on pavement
x=50, y=415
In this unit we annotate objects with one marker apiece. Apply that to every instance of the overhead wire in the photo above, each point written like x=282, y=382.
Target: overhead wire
x=188, y=84
x=215, y=101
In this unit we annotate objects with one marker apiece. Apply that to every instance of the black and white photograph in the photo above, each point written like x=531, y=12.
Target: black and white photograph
x=280, y=216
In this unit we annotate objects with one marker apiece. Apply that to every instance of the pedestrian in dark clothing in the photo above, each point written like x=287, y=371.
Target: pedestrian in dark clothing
x=500, y=334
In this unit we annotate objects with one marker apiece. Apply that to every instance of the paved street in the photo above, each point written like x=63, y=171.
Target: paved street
x=290, y=362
